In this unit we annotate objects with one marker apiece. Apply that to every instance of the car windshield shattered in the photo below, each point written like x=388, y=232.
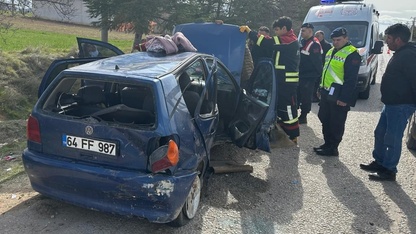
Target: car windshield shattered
x=113, y=102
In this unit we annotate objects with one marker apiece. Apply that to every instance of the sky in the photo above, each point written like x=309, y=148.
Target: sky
x=394, y=11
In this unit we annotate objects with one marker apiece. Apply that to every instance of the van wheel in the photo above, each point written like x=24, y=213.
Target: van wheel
x=365, y=94
x=190, y=207
x=373, y=81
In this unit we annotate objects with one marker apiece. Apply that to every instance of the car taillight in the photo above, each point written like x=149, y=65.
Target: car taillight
x=164, y=157
x=33, y=130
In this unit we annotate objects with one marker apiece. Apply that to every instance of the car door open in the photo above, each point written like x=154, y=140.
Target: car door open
x=256, y=113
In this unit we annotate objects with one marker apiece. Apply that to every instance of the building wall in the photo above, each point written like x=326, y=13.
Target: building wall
x=45, y=11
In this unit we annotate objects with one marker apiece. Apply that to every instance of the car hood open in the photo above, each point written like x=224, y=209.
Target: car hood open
x=224, y=41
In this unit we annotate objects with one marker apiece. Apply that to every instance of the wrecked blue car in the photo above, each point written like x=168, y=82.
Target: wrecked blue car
x=131, y=134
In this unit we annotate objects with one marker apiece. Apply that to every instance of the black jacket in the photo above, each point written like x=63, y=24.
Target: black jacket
x=325, y=47
x=398, y=85
x=265, y=50
x=310, y=66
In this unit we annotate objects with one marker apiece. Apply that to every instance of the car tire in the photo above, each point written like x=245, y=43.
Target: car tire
x=373, y=81
x=365, y=94
x=190, y=208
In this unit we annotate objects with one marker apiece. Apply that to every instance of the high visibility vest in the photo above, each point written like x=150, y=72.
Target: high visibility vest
x=334, y=66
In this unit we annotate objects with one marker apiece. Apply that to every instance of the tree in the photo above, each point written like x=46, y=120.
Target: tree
x=167, y=13
x=105, y=11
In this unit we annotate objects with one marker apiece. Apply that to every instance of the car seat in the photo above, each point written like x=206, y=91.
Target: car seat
x=90, y=99
x=191, y=97
x=133, y=97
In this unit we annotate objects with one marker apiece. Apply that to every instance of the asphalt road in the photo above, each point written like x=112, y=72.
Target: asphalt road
x=291, y=190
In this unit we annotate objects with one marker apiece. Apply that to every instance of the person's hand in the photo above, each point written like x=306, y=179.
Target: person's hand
x=244, y=28
x=339, y=103
x=318, y=94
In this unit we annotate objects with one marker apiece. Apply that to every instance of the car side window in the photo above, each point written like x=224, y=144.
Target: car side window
x=192, y=82
x=226, y=90
x=91, y=51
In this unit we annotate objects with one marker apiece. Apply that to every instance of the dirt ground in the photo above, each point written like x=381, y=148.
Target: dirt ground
x=14, y=184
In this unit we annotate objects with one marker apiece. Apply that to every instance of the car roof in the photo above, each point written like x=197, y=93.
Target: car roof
x=143, y=64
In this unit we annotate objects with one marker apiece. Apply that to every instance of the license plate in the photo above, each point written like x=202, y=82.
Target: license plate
x=102, y=147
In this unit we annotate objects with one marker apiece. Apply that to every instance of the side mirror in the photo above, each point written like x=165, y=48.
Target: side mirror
x=377, y=49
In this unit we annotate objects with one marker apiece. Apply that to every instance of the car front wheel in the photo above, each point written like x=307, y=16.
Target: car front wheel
x=190, y=207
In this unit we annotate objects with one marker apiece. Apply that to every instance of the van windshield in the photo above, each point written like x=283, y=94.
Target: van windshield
x=357, y=30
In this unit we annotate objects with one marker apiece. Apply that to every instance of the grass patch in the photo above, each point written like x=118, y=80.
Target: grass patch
x=14, y=133
x=9, y=170
x=17, y=40
x=26, y=51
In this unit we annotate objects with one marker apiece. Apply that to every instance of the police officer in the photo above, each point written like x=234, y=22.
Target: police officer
x=320, y=35
x=310, y=69
x=337, y=90
x=284, y=50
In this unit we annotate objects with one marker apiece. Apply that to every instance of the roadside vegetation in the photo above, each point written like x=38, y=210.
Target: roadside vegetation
x=26, y=51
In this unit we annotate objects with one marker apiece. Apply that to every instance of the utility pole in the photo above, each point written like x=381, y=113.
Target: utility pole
x=412, y=28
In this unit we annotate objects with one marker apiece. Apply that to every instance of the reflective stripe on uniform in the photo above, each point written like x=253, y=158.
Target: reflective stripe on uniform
x=292, y=77
x=292, y=80
x=259, y=40
x=289, y=112
x=277, y=65
x=291, y=121
x=334, y=76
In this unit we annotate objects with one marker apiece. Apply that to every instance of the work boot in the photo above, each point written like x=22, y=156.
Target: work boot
x=295, y=140
x=329, y=152
x=319, y=148
x=372, y=167
x=302, y=119
x=385, y=175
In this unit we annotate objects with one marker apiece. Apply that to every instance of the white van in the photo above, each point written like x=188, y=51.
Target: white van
x=361, y=21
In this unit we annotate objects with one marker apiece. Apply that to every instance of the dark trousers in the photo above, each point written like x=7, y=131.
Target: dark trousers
x=333, y=119
x=306, y=90
x=287, y=109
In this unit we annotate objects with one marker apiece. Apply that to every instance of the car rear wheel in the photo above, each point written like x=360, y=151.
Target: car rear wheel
x=190, y=207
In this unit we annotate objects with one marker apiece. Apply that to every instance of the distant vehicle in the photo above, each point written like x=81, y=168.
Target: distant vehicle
x=131, y=134
x=361, y=21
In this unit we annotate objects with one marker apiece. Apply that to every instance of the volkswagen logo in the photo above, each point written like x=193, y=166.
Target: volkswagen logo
x=89, y=130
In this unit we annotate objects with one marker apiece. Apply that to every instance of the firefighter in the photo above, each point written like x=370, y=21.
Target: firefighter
x=337, y=92
x=284, y=50
x=310, y=70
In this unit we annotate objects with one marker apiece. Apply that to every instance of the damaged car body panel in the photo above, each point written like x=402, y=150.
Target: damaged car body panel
x=131, y=134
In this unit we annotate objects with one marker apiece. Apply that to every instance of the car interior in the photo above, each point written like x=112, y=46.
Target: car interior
x=106, y=101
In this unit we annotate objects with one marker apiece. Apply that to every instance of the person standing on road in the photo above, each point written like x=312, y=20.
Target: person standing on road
x=284, y=50
x=310, y=70
x=398, y=93
x=337, y=90
x=326, y=46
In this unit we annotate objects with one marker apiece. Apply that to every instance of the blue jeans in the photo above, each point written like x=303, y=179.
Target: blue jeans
x=388, y=134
